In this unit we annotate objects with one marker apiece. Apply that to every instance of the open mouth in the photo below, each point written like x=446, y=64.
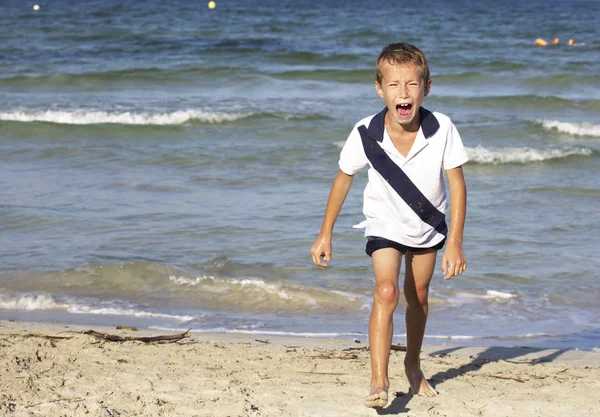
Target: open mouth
x=403, y=110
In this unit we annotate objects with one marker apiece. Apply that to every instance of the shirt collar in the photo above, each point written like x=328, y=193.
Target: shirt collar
x=429, y=124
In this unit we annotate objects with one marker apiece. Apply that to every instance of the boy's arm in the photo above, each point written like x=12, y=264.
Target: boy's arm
x=321, y=249
x=454, y=261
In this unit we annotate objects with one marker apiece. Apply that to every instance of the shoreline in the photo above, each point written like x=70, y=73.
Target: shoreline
x=224, y=374
x=537, y=342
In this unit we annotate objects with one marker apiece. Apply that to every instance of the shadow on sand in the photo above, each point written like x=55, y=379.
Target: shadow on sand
x=399, y=404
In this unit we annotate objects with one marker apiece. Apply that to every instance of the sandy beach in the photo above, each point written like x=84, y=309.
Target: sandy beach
x=56, y=370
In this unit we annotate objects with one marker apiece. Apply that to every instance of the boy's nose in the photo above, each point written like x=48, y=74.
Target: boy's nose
x=402, y=92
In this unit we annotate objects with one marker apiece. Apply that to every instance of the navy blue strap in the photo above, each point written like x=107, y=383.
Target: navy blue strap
x=400, y=182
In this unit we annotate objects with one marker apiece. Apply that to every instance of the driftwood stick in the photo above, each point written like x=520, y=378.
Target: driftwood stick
x=399, y=348
x=133, y=329
x=150, y=339
x=365, y=348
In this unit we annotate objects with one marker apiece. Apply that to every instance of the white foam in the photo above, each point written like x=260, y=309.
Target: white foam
x=111, y=311
x=578, y=129
x=499, y=294
x=80, y=117
x=465, y=297
x=47, y=303
x=522, y=155
x=489, y=295
x=187, y=281
x=245, y=283
x=347, y=295
x=287, y=291
x=31, y=302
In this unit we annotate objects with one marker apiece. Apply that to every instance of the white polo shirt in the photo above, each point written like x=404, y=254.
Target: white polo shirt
x=437, y=147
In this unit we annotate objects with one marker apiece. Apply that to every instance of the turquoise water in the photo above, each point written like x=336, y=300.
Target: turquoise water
x=167, y=165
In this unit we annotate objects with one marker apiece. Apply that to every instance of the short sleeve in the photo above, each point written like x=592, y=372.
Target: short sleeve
x=352, y=157
x=455, y=154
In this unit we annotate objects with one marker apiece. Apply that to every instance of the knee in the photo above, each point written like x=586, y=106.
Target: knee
x=417, y=298
x=386, y=294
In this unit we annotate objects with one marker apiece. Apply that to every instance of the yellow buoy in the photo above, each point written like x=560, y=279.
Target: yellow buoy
x=540, y=42
x=36, y=7
x=212, y=4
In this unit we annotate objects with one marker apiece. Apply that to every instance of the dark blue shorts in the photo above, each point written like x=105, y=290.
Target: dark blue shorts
x=376, y=242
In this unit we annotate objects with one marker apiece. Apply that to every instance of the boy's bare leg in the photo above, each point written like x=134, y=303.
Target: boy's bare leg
x=386, y=266
x=419, y=270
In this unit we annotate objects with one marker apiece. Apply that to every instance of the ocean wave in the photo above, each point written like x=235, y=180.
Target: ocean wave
x=482, y=155
x=462, y=77
x=222, y=285
x=517, y=102
x=334, y=75
x=130, y=312
x=130, y=76
x=261, y=295
x=179, y=117
x=31, y=302
x=457, y=298
x=81, y=117
x=113, y=289
x=523, y=155
x=563, y=80
x=577, y=129
x=47, y=303
x=488, y=295
x=87, y=78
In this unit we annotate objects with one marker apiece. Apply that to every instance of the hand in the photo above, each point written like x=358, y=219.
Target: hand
x=321, y=251
x=454, y=261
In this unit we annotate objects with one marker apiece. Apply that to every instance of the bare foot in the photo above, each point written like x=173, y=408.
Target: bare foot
x=378, y=398
x=418, y=383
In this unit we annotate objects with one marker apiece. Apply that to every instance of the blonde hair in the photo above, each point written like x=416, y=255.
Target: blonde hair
x=402, y=54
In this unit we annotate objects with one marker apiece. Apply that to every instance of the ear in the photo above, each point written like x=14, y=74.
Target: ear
x=428, y=88
x=379, y=89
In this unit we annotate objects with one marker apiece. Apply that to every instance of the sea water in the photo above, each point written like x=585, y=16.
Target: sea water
x=167, y=165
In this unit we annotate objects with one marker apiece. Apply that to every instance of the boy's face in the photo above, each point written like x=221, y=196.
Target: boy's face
x=402, y=88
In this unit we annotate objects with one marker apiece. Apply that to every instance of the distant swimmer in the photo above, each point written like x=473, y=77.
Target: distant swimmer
x=556, y=41
x=571, y=42
x=543, y=42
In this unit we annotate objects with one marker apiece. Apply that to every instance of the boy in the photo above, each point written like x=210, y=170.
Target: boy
x=407, y=148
